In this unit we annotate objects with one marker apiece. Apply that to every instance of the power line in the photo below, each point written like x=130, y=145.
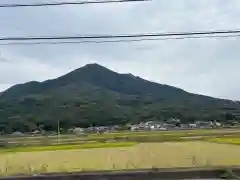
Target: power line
x=67, y=3
x=116, y=41
x=123, y=36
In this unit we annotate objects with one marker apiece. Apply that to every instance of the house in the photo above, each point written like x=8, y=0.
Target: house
x=184, y=126
x=91, y=129
x=102, y=129
x=143, y=126
x=192, y=125
x=35, y=132
x=162, y=129
x=78, y=130
x=17, y=134
x=134, y=127
x=204, y=124
x=217, y=124
x=153, y=127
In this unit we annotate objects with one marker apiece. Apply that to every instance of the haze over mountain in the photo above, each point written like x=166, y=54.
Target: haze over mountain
x=96, y=95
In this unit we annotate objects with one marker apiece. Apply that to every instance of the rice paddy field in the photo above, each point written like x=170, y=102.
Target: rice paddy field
x=212, y=150
x=142, y=155
x=129, y=136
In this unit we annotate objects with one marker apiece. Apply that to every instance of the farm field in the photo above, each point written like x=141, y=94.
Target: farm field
x=122, y=136
x=142, y=155
x=67, y=147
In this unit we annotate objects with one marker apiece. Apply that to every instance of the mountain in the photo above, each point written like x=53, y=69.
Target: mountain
x=95, y=95
x=96, y=75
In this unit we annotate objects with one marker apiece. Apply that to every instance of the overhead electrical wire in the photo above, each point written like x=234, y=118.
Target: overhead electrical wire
x=67, y=3
x=115, y=41
x=122, y=36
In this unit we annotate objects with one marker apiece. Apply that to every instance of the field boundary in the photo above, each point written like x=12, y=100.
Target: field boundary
x=144, y=174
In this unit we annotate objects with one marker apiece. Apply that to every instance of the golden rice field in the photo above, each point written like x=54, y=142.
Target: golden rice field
x=143, y=155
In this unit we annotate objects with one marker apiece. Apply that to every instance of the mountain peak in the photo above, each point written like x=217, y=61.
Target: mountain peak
x=92, y=65
x=92, y=68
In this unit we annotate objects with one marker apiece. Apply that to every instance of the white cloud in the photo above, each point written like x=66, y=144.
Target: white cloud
x=17, y=69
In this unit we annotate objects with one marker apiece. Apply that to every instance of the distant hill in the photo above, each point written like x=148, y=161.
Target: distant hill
x=96, y=75
x=95, y=95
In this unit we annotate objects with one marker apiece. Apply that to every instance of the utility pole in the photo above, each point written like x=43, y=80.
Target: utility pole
x=58, y=132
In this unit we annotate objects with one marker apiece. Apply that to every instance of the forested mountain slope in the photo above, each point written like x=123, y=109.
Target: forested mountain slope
x=95, y=95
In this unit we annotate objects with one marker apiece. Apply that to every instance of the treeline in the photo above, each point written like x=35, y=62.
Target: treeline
x=32, y=114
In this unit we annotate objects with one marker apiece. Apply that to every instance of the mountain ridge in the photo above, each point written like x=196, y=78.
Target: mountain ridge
x=90, y=73
x=94, y=94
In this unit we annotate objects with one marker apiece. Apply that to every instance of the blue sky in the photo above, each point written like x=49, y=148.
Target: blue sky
x=204, y=66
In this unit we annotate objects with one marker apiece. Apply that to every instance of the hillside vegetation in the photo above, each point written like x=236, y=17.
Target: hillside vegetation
x=95, y=95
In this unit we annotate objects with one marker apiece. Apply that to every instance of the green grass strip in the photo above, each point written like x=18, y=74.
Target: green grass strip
x=235, y=141
x=68, y=147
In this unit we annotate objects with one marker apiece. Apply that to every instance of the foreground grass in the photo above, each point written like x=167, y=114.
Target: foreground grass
x=68, y=147
x=144, y=155
x=232, y=140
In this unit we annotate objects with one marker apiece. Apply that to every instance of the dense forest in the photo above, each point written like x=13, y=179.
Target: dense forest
x=95, y=95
